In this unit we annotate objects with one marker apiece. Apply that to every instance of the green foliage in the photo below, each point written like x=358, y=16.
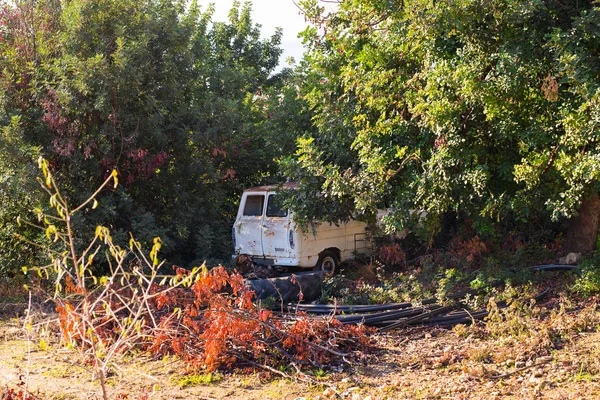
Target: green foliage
x=483, y=108
x=443, y=273
x=321, y=374
x=156, y=89
x=514, y=320
x=449, y=282
x=198, y=379
x=588, y=283
x=17, y=194
x=390, y=288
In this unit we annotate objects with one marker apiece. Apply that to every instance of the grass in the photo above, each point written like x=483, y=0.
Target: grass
x=198, y=379
x=321, y=374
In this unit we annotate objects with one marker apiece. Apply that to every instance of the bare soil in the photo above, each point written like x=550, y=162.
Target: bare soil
x=416, y=363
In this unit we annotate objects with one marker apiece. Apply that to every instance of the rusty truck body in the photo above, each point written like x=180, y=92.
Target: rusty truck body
x=265, y=231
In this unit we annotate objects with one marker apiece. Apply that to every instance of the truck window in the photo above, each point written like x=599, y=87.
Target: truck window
x=275, y=207
x=254, y=205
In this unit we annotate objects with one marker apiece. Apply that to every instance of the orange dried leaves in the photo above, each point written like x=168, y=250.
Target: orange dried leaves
x=215, y=325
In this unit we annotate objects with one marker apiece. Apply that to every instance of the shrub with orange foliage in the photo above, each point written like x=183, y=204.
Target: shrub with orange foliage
x=221, y=327
x=214, y=324
x=17, y=394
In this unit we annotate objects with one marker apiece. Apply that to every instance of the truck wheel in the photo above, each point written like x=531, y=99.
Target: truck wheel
x=328, y=262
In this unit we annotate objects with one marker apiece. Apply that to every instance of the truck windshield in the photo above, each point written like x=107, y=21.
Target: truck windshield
x=254, y=205
x=275, y=207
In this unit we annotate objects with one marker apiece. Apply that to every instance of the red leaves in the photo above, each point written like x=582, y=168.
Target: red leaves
x=163, y=300
x=471, y=249
x=20, y=393
x=71, y=287
x=137, y=155
x=210, y=283
x=392, y=254
x=229, y=174
x=215, y=325
x=17, y=394
x=139, y=164
x=70, y=324
x=264, y=315
x=217, y=151
x=221, y=327
x=52, y=116
x=180, y=271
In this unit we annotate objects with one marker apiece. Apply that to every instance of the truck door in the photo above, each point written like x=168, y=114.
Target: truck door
x=276, y=224
x=248, y=227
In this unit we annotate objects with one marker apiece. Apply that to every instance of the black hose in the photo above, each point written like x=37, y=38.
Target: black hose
x=553, y=267
x=417, y=319
x=399, y=315
x=348, y=309
x=328, y=309
x=370, y=319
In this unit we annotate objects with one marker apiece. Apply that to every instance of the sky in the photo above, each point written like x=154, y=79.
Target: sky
x=271, y=14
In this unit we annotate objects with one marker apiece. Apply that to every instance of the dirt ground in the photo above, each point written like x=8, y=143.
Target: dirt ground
x=416, y=363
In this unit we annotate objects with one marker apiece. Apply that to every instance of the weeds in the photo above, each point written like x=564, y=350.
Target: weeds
x=392, y=254
x=588, y=283
x=482, y=355
x=448, y=283
x=320, y=374
x=409, y=286
x=392, y=288
x=198, y=379
x=589, y=363
x=513, y=321
x=524, y=331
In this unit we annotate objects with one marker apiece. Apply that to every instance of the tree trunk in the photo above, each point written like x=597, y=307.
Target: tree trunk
x=583, y=229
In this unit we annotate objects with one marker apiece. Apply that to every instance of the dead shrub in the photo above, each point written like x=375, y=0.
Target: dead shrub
x=392, y=254
x=219, y=327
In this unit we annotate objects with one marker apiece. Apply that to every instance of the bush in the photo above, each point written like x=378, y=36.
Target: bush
x=588, y=283
x=18, y=195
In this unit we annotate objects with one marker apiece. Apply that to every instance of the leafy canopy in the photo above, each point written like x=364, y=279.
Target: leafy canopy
x=154, y=89
x=488, y=108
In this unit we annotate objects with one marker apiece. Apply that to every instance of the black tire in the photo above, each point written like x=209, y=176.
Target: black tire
x=328, y=262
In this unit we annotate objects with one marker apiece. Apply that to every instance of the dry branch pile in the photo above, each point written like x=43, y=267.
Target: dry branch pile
x=213, y=324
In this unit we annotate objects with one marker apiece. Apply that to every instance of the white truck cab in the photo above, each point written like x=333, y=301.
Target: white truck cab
x=265, y=231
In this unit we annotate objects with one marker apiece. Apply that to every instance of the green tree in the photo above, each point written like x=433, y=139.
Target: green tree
x=154, y=89
x=483, y=108
x=17, y=194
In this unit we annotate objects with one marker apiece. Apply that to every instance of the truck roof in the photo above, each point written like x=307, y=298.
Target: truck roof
x=270, y=188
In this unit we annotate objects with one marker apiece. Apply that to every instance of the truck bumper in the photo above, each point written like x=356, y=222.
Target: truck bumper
x=281, y=261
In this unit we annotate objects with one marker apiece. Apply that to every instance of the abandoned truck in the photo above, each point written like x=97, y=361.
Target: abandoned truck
x=265, y=231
